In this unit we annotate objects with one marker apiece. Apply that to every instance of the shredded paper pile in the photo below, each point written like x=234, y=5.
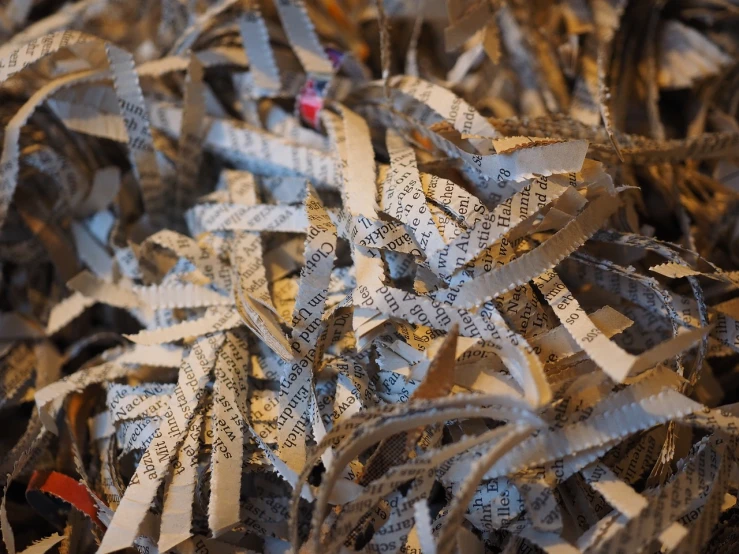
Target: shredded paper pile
x=390, y=277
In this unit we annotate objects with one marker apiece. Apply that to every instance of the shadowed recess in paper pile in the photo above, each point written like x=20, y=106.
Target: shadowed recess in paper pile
x=400, y=277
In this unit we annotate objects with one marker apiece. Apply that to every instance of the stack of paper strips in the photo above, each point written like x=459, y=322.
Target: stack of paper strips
x=377, y=276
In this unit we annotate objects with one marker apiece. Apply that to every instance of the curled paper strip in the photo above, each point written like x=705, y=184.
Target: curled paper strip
x=384, y=277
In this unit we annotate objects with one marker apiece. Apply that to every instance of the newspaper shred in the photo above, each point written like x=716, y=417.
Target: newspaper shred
x=393, y=277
